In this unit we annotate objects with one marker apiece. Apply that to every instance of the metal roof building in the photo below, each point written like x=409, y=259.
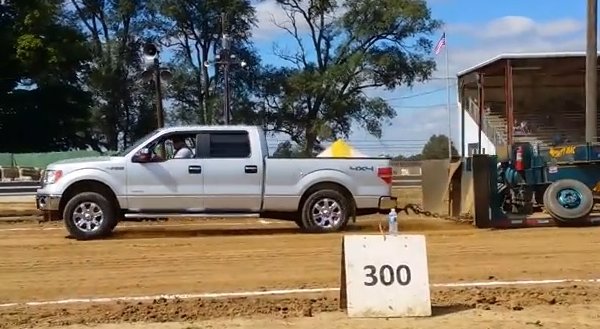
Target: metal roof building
x=515, y=86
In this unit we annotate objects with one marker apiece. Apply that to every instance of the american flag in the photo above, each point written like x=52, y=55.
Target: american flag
x=441, y=43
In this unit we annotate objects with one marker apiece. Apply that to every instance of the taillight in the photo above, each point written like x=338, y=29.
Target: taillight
x=386, y=174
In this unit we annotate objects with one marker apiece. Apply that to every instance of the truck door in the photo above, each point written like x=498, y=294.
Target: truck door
x=233, y=172
x=168, y=184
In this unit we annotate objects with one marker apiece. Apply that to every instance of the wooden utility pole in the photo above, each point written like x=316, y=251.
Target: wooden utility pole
x=225, y=56
x=591, y=72
x=160, y=113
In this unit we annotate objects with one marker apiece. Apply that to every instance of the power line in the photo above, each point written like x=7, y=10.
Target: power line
x=425, y=93
x=442, y=78
x=363, y=142
x=360, y=141
x=384, y=143
x=428, y=106
x=373, y=147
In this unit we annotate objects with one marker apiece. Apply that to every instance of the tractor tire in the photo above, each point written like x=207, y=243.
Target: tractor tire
x=568, y=201
x=89, y=216
x=544, y=196
x=325, y=211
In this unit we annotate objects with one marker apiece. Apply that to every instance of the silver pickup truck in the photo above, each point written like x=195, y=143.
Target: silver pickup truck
x=228, y=173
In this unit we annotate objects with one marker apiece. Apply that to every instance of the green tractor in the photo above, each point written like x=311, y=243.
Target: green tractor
x=518, y=188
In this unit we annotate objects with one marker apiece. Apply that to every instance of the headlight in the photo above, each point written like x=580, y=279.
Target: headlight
x=52, y=176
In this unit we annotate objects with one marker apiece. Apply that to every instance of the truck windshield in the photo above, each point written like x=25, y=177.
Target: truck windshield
x=136, y=144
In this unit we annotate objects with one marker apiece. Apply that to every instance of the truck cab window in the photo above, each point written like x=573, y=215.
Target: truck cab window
x=229, y=145
x=170, y=145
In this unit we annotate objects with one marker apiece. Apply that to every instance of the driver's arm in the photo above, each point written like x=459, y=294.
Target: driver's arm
x=183, y=153
x=159, y=152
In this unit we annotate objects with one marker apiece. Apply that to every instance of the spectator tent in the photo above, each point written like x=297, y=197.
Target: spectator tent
x=341, y=149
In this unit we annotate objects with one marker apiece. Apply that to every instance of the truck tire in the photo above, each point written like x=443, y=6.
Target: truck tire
x=89, y=215
x=568, y=201
x=325, y=211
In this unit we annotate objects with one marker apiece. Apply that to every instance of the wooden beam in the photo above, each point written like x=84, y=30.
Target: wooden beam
x=591, y=72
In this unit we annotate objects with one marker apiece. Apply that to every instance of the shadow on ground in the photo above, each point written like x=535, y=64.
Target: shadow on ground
x=449, y=309
x=185, y=232
x=369, y=226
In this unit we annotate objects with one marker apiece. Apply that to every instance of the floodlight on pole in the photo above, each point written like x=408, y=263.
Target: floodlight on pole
x=154, y=71
x=226, y=58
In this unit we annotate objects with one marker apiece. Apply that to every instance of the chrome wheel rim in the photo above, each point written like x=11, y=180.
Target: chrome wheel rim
x=326, y=213
x=88, y=216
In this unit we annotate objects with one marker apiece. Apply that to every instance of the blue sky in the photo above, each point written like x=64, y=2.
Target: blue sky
x=476, y=31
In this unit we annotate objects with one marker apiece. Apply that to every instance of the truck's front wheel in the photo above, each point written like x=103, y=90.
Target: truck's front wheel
x=89, y=215
x=325, y=211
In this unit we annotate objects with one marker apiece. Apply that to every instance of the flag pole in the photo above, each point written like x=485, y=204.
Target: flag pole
x=449, y=121
x=448, y=99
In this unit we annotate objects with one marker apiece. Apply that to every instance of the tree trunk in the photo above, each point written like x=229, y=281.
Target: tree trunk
x=310, y=139
x=205, y=87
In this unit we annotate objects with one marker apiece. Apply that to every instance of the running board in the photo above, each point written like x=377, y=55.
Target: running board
x=197, y=215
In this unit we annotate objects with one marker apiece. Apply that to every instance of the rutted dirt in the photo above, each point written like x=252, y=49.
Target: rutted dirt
x=38, y=263
x=445, y=301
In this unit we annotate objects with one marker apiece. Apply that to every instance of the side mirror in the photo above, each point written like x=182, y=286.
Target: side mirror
x=142, y=156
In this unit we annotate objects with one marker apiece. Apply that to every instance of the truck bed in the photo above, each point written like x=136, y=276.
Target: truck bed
x=287, y=178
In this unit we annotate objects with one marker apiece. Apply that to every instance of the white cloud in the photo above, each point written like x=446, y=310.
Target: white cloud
x=511, y=34
x=510, y=27
x=270, y=14
x=551, y=36
x=561, y=27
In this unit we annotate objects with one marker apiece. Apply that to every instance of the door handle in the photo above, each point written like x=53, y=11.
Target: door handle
x=250, y=169
x=194, y=169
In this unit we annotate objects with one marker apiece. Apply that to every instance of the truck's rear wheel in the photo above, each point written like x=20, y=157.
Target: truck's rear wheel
x=325, y=211
x=568, y=201
x=89, y=215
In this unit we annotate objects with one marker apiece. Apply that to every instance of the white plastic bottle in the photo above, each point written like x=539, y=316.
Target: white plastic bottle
x=392, y=221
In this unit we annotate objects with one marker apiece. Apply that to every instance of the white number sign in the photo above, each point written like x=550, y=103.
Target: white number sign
x=385, y=276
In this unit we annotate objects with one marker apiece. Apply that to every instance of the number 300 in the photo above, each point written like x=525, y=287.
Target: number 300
x=387, y=275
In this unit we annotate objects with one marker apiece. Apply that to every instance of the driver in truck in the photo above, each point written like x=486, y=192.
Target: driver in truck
x=182, y=151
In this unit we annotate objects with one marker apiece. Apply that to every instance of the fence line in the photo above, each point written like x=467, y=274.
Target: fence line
x=41, y=160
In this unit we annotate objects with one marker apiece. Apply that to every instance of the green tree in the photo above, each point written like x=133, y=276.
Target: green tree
x=414, y=157
x=288, y=150
x=116, y=30
x=285, y=150
x=43, y=105
x=368, y=44
x=193, y=29
x=437, y=148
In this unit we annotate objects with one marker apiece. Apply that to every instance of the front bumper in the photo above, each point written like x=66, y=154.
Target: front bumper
x=47, y=202
x=386, y=203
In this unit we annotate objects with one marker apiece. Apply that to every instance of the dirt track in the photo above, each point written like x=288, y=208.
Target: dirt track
x=38, y=263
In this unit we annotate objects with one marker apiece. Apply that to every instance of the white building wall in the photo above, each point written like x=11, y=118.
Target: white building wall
x=472, y=135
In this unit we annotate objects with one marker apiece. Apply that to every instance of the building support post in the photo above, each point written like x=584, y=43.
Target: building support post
x=509, y=101
x=480, y=101
x=591, y=72
x=461, y=89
